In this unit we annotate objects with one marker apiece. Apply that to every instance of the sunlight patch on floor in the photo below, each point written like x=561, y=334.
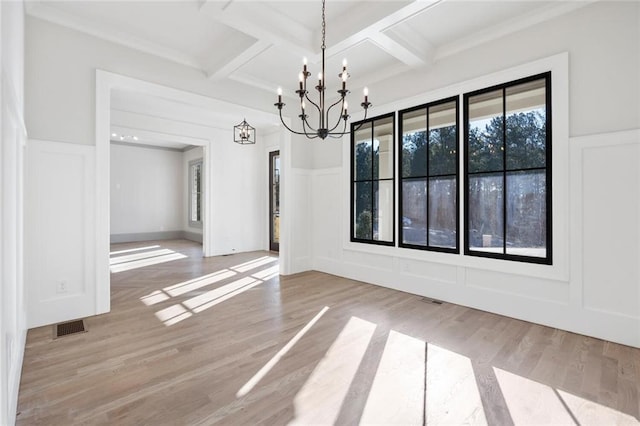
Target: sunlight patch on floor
x=320, y=398
x=173, y=314
x=267, y=274
x=133, y=249
x=213, y=297
x=200, y=300
x=255, y=263
x=591, y=413
x=277, y=357
x=154, y=297
x=139, y=256
x=146, y=262
x=197, y=283
x=397, y=393
x=530, y=402
x=452, y=392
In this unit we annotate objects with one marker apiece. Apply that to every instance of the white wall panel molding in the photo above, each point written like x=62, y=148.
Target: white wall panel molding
x=606, y=224
x=299, y=224
x=60, y=232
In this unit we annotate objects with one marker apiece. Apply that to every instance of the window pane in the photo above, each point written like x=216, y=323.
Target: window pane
x=383, y=149
x=363, y=153
x=414, y=140
x=195, y=185
x=414, y=212
x=383, y=210
x=526, y=125
x=442, y=212
x=485, y=132
x=486, y=213
x=526, y=213
x=442, y=139
x=363, y=216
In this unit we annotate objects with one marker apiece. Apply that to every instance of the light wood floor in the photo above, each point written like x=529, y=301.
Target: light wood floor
x=226, y=341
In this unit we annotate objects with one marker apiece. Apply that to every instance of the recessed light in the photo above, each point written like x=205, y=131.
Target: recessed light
x=135, y=138
x=113, y=135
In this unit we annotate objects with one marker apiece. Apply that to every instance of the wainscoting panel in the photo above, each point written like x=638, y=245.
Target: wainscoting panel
x=60, y=232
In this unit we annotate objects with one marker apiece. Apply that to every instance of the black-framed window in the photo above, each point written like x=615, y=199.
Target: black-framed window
x=372, y=180
x=428, y=149
x=508, y=171
x=195, y=193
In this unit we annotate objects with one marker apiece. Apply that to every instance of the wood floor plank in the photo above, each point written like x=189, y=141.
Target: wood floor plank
x=183, y=337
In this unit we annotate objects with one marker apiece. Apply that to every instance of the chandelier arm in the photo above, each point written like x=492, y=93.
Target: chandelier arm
x=306, y=95
x=339, y=134
x=290, y=129
x=336, y=103
x=340, y=117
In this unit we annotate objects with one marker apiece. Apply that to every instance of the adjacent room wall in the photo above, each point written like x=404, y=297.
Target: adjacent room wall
x=13, y=134
x=147, y=193
x=593, y=286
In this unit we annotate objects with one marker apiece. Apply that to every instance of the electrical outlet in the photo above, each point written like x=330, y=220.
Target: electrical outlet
x=62, y=287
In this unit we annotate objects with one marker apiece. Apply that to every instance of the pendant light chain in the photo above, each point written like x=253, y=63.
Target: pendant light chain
x=324, y=26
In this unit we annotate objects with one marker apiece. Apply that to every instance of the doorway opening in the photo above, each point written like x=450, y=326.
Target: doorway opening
x=274, y=201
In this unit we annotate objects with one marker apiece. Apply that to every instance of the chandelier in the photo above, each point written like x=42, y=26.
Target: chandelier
x=325, y=126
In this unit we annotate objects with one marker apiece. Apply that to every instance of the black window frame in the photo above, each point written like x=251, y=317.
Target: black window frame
x=193, y=164
x=355, y=126
x=427, y=177
x=548, y=260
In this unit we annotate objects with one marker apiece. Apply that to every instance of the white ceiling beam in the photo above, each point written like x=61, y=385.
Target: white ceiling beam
x=397, y=50
x=376, y=29
x=262, y=22
x=243, y=58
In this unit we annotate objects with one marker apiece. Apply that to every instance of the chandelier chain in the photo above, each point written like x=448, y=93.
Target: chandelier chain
x=324, y=26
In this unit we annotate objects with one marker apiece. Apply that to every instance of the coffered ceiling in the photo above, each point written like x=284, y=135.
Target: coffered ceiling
x=260, y=44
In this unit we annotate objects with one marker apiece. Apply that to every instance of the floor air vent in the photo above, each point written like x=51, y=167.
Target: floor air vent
x=433, y=301
x=68, y=328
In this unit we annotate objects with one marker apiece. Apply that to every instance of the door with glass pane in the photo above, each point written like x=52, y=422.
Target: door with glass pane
x=274, y=201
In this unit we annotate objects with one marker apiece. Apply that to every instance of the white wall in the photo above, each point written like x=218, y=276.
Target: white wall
x=593, y=286
x=147, y=190
x=13, y=134
x=237, y=207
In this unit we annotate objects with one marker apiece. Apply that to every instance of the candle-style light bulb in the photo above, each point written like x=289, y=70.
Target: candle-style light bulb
x=304, y=65
x=366, y=95
x=301, y=78
x=320, y=79
x=344, y=64
x=302, y=105
x=279, y=95
x=346, y=105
